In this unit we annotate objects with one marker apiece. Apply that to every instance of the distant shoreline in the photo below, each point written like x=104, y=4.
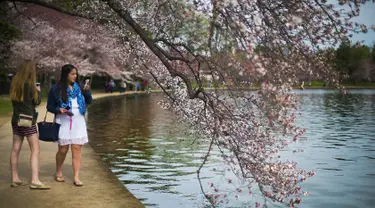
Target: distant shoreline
x=6, y=108
x=346, y=87
x=305, y=88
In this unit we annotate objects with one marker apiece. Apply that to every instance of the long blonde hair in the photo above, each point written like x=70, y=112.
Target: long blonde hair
x=25, y=75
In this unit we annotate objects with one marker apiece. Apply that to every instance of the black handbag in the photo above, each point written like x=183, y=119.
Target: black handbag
x=48, y=131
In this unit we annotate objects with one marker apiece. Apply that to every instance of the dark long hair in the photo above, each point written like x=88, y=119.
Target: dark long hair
x=65, y=70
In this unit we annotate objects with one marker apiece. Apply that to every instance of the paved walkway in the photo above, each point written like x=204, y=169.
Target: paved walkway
x=101, y=187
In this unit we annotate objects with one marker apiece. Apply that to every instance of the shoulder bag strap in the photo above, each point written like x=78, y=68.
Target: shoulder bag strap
x=45, y=117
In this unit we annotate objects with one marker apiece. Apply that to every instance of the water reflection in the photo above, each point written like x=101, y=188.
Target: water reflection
x=143, y=145
x=340, y=132
x=148, y=151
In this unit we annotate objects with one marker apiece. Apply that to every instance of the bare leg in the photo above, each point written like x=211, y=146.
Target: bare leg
x=60, y=158
x=14, y=157
x=34, y=158
x=76, y=160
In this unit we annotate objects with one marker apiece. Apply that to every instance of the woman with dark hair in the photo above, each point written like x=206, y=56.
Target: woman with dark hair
x=25, y=95
x=67, y=100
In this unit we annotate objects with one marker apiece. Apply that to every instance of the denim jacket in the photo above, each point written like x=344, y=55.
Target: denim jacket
x=54, y=95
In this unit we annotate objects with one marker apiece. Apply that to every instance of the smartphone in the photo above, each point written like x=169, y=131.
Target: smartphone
x=87, y=83
x=69, y=113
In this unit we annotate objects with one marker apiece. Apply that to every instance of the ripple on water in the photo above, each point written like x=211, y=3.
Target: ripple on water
x=368, y=157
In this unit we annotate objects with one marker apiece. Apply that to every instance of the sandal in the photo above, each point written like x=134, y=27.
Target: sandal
x=41, y=186
x=59, y=178
x=78, y=183
x=16, y=184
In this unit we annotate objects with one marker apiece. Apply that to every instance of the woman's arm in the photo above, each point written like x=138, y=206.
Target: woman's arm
x=52, y=103
x=88, y=97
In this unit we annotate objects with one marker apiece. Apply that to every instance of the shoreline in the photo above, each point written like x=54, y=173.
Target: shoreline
x=101, y=187
x=4, y=118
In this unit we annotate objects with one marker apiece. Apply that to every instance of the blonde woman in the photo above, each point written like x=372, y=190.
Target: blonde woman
x=25, y=95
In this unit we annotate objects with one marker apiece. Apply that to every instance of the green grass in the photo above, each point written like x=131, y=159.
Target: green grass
x=316, y=84
x=5, y=105
x=365, y=84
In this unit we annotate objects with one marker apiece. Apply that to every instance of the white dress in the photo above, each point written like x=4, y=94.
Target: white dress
x=72, y=130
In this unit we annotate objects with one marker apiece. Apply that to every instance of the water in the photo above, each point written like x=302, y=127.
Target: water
x=149, y=153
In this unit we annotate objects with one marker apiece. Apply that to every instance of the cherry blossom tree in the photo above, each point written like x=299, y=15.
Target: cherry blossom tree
x=365, y=71
x=53, y=39
x=174, y=41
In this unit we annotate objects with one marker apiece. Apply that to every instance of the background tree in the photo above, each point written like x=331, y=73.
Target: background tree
x=354, y=62
x=52, y=39
x=7, y=33
x=359, y=58
x=343, y=57
x=364, y=71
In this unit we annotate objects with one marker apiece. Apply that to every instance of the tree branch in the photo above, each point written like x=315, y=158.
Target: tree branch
x=52, y=6
x=123, y=13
